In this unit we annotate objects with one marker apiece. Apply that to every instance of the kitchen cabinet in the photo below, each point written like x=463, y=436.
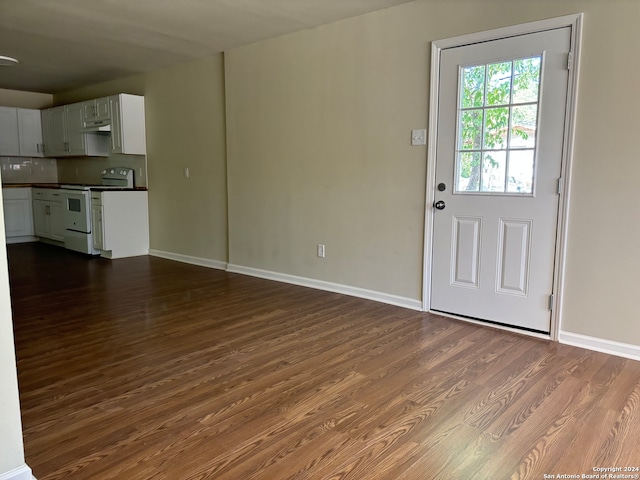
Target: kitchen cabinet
x=121, y=121
x=20, y=132
x=30, y=132
x=120, y=223
x=74, y=123
x=54, y=132
x=9, y=143
x=127, y=124
x=47, y=214
x=96, y=224
x=96, y=110
x=63, y=135
x=18, y=215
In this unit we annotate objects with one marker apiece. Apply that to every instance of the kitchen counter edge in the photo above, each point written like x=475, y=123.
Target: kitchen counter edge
x=97, y=188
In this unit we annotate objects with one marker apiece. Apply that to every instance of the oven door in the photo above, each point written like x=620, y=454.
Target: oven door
x=77, y=211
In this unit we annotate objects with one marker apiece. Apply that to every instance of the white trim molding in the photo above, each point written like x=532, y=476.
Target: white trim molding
x=20, y=473
x=23, y=239
x=575, y=22
x=611, y=347
x=381, y=297
x=178, y=257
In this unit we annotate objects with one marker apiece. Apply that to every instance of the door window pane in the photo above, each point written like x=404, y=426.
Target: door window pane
x=526, y=80
x=468, y=175
x=472, y=87
x=498, y=83
x=520, y=171
x=497, y=127
x=471, y=129
x=494, y=169
x=524, y=123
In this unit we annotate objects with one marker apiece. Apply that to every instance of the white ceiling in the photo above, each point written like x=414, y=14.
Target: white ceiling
x=66, y=44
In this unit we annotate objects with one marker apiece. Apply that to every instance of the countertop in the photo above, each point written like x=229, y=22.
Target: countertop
x=97, y=188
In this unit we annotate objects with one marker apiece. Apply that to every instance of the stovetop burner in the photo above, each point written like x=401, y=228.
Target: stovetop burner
x=112, y=178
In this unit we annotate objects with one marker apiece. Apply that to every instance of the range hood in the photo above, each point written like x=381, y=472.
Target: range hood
x=97, y=126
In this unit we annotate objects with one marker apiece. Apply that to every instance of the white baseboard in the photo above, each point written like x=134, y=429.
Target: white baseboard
x=329, y=287
x=20, y=473
x=178, y=257
x=619, y=349
x=23, y=239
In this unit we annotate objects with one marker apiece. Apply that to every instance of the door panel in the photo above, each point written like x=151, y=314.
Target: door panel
x=499, y=150
x=513, y=256
x=466, y=251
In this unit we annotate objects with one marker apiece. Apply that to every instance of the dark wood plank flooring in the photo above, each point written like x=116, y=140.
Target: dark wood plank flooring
x=146, y=368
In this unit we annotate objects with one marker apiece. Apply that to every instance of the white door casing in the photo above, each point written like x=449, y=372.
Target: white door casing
x=492, y=256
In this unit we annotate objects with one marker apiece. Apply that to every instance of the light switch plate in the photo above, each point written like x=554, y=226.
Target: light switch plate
x=419, y=137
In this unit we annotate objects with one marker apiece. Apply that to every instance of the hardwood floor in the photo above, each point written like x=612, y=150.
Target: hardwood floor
x=147, y=369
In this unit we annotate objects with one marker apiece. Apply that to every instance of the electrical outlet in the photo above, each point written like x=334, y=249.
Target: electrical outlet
x=321, y=250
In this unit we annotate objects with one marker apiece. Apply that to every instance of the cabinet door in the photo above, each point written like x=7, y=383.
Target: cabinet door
x=97, y=227
x=9, y=144
x=89, y=110
x=30, y=132
x=74, y=124
x=97, y=109
x=41, y=218
x=55, y=220
x=18, y=217
x=102, y=109
x=54, y=129
x=116, y=125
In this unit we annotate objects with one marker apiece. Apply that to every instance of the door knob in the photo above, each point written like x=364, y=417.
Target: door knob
x=439, y=205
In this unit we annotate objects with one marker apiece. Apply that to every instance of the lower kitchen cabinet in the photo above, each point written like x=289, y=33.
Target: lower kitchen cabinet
x=18, y=214
x=47, y=214
x=120, y=223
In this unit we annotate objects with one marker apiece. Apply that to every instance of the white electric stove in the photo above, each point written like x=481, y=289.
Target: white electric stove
x=112, y=178
x=77, y=207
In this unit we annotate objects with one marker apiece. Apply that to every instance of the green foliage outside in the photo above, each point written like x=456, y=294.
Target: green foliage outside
x=489, y=94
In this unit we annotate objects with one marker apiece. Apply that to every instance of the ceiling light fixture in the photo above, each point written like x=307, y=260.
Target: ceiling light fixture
x=7, y=61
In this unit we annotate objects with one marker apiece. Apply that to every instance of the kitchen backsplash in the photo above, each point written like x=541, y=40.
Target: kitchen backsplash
x=88, y=169
x=29, y=170
x=70, y=170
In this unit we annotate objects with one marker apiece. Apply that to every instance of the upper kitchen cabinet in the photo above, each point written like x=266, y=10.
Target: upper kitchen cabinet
x=9, y=143
x=96, y=112
x=20, y=132
x=127, y=124
x=64, y=134
x=54, y=132
x=96, y=127
x=30, y=132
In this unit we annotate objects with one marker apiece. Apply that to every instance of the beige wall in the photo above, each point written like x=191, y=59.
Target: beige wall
x=318, y=130
x=15, y=98
x=11, y=446
x=184, y=108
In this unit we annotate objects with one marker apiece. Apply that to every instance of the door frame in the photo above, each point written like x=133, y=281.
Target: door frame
x=575, y=22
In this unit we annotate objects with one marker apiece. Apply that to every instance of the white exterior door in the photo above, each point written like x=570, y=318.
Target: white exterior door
x=499, y=151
